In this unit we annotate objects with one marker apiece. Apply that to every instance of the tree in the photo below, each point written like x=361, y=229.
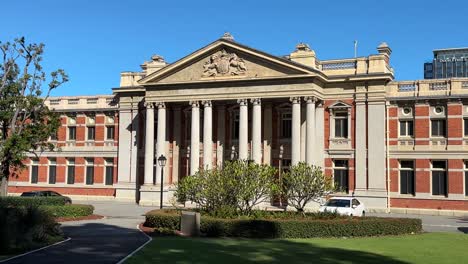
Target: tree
x=305, y=183
x=25, y=121
x=235, y=188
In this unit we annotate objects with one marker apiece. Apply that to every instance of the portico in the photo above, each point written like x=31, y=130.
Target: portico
x=228, y=101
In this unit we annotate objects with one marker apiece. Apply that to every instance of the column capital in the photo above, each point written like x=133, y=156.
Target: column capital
x=310, y=99
x=295, y=100
x=242, y=101
x=256, y=101
x=160, y=105
x=149, y=105
x=207, y=103
x=195, y=104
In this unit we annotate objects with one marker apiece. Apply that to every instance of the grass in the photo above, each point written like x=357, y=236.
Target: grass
x=423, y=248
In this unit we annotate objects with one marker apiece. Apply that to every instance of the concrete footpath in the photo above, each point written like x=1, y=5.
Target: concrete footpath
x=106, y=240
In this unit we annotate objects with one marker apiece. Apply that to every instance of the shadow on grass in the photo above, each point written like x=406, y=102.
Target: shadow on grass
x=90, y=243
x=463, y=229
x=188, y=250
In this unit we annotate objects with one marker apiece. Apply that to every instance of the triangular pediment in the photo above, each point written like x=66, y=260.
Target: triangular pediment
x=226, y=60
x=339, y=105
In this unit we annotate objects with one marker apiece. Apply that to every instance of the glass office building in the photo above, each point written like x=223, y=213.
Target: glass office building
x=447, y=63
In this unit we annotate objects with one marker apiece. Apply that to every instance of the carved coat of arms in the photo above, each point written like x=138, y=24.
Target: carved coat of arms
x=224, y=63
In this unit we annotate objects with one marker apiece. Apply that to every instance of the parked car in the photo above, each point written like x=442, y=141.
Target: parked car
x=68, y=200
x=344, y=206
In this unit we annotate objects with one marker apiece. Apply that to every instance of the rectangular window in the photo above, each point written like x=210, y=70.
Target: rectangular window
x=52, y=171
x=110, y=132
x=53, y=136
x=466, y=178
x=72, y=133
x=439, y=178
x=341, y=125
x=34, y=171
x=71, y=171
x=340, y=174
x=465, y=125
x=406, y=128
x=438, y=128
x=109, y=172
x=89, y=171
x=407, y=177
x=91, y=132
x=286, y=125
x=235, y=126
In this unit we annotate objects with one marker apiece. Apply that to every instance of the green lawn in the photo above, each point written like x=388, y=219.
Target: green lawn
x=426, y=248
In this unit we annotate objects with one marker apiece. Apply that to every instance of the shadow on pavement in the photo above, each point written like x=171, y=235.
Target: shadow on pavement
x=90, y=243
x=226, y=251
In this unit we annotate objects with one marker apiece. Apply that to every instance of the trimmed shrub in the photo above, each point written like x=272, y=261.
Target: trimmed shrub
x=17, y=201
x=267, y=224
x=71, y=210
x=24, y=228
x=163, y=219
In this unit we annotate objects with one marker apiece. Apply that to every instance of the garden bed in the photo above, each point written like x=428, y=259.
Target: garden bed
x=263, y=224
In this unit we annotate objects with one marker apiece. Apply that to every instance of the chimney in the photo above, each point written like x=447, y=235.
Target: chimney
x=385, y=50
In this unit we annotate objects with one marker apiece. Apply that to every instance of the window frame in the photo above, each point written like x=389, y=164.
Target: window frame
x=342, y=119
x=110, y=128
x=34, y=163
x=407, y=128
x=444, y=120
x=344, y=169
x=90, y=167
x=285, y=133
x=69, y=137
x=52, y=171
x=71, y=163
x=400, y=176
x=437, y=170
x=109, y=164
x=88, y=134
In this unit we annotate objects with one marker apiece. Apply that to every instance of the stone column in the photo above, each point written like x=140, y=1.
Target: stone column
x=257, y=130
x=296, y=130
x=177, y=140
x=310, y=131
x=207, y=135
x=221, y=128
x=161, y=138
x=320, y=134
x=195, y=138
x=361, y=149
x=149, y=144
x=243, y=129
x=267, y=133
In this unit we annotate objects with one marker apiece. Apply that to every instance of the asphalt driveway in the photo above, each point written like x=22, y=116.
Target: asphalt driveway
x=106, y=240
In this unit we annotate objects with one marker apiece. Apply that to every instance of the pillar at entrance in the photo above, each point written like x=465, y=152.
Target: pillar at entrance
x=256, y=131
x=149, y=144
x=310, y=130
x=207, y=136
x=195, y=138
x=161, y=138
x=296, y=130
x=243, y=129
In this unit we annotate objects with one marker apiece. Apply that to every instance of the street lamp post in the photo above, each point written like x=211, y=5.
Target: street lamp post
x=162, y=163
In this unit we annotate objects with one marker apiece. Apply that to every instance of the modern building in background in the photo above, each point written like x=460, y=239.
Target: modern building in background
x=447, y=63
x=394, y=144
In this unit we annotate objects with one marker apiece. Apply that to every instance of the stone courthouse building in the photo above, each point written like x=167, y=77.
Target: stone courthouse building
x=393, y=144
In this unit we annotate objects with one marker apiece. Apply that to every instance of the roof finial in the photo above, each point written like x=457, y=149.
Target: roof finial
x=227, y=36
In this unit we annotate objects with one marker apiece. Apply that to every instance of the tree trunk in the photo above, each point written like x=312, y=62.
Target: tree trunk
x=3, y=187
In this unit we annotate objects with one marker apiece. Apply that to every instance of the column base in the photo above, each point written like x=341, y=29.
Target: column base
x=372, y=198
x=150, y=195
x=126, y=192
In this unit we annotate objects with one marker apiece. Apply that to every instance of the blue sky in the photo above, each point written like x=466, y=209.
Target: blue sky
x=96, y=40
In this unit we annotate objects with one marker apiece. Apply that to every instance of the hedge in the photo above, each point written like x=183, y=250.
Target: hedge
x=163, y=219
x=307, y=227
x=353, y=227
x=14, y=201
x=71, y=210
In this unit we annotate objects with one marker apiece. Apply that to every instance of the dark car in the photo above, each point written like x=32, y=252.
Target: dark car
x=46, y=194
